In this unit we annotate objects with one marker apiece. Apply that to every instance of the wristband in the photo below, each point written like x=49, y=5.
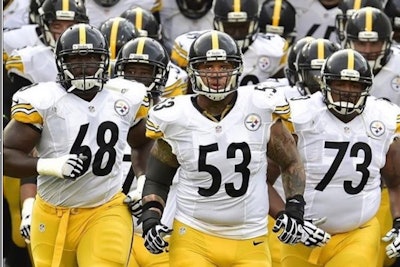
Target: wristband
x=396, y=223
x=27, y=206
x=295, y=207
x=50, y=167
x=149, y=218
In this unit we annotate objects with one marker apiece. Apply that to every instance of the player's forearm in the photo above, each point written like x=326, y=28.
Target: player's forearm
x=394, y=196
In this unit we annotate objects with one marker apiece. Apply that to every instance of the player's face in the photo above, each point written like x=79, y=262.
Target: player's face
x=57, y=27
x=142, y=73
x=83, y=65
x=216, y=75
x=237, y=30
x=346, y=91
x=370, y=50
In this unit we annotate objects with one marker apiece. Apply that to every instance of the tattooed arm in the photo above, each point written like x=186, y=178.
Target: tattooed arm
x=283, y=151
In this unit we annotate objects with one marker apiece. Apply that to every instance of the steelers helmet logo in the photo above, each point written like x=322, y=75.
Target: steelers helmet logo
x=121, y=107
x=377, y=128
x=252, y=122
x=396, y=84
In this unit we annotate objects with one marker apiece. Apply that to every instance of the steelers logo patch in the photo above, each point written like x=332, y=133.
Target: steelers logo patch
x=264, y=63
x=121, y=107
x=377, y=128
x=252, y=122
x=396, y=84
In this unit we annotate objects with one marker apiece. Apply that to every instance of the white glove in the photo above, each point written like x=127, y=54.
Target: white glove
x=154, y=239
x=393, y=249
x=314, y=236
x=292, y=229
x=134, y=198
x=68, y=167
x=26, y=219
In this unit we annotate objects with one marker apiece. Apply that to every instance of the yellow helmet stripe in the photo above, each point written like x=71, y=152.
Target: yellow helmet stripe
x=113, y=38
x=357, y=4
x=368, y=19
x=82, y=34
x=214, y=40
x=236, y=5
x=139, y=18
x=140, y=46
x=321, y=49
x=65, y=5
x=350, y=60
x=276, y=16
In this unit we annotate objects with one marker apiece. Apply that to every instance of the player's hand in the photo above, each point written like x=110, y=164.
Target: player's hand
x=313, y=235
x=26, y=219
x=68, y=167
x=134, y=198
x=292, y=230
x=154, y=238
x=393, y=236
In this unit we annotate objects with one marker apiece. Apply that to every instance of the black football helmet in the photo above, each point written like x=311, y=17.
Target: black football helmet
x=209, y=47
x=346, y=65
x=117, y=31
x=106, y=3
x=279, y=17
x=148, y=51
x=144, y=21
x=194, y=9
x=309, y=63
x=392, y=10
x=347, y=8
x=290, y=69
x=51, y=10
x=238, y=18
x=82, y=39
x=370, y=24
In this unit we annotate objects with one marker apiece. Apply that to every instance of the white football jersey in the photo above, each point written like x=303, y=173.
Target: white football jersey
x=98, y=14
x=386, y=83
x=177, y=81
x=16, y=14
x=98, y=129
x=313, y=19
x=343, y=160
x=34, y=63
x=174, y=23
x=12, y=38
x=263, y=58
x=221, y=189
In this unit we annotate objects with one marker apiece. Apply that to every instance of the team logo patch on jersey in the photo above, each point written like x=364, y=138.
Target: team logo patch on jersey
x=377, y=128
x=121, y=107
x=264, y=63
x=252, y=122
x=396, y=84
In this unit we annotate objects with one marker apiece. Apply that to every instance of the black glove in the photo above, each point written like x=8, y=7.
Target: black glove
x=314, y=236
x=291, y=221
x=153, y=231
x=393, y=249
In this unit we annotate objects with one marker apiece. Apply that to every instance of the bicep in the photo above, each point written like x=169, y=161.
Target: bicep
x=20, y=136
x=162, y=151
x=391, y=171
x=282, y=147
